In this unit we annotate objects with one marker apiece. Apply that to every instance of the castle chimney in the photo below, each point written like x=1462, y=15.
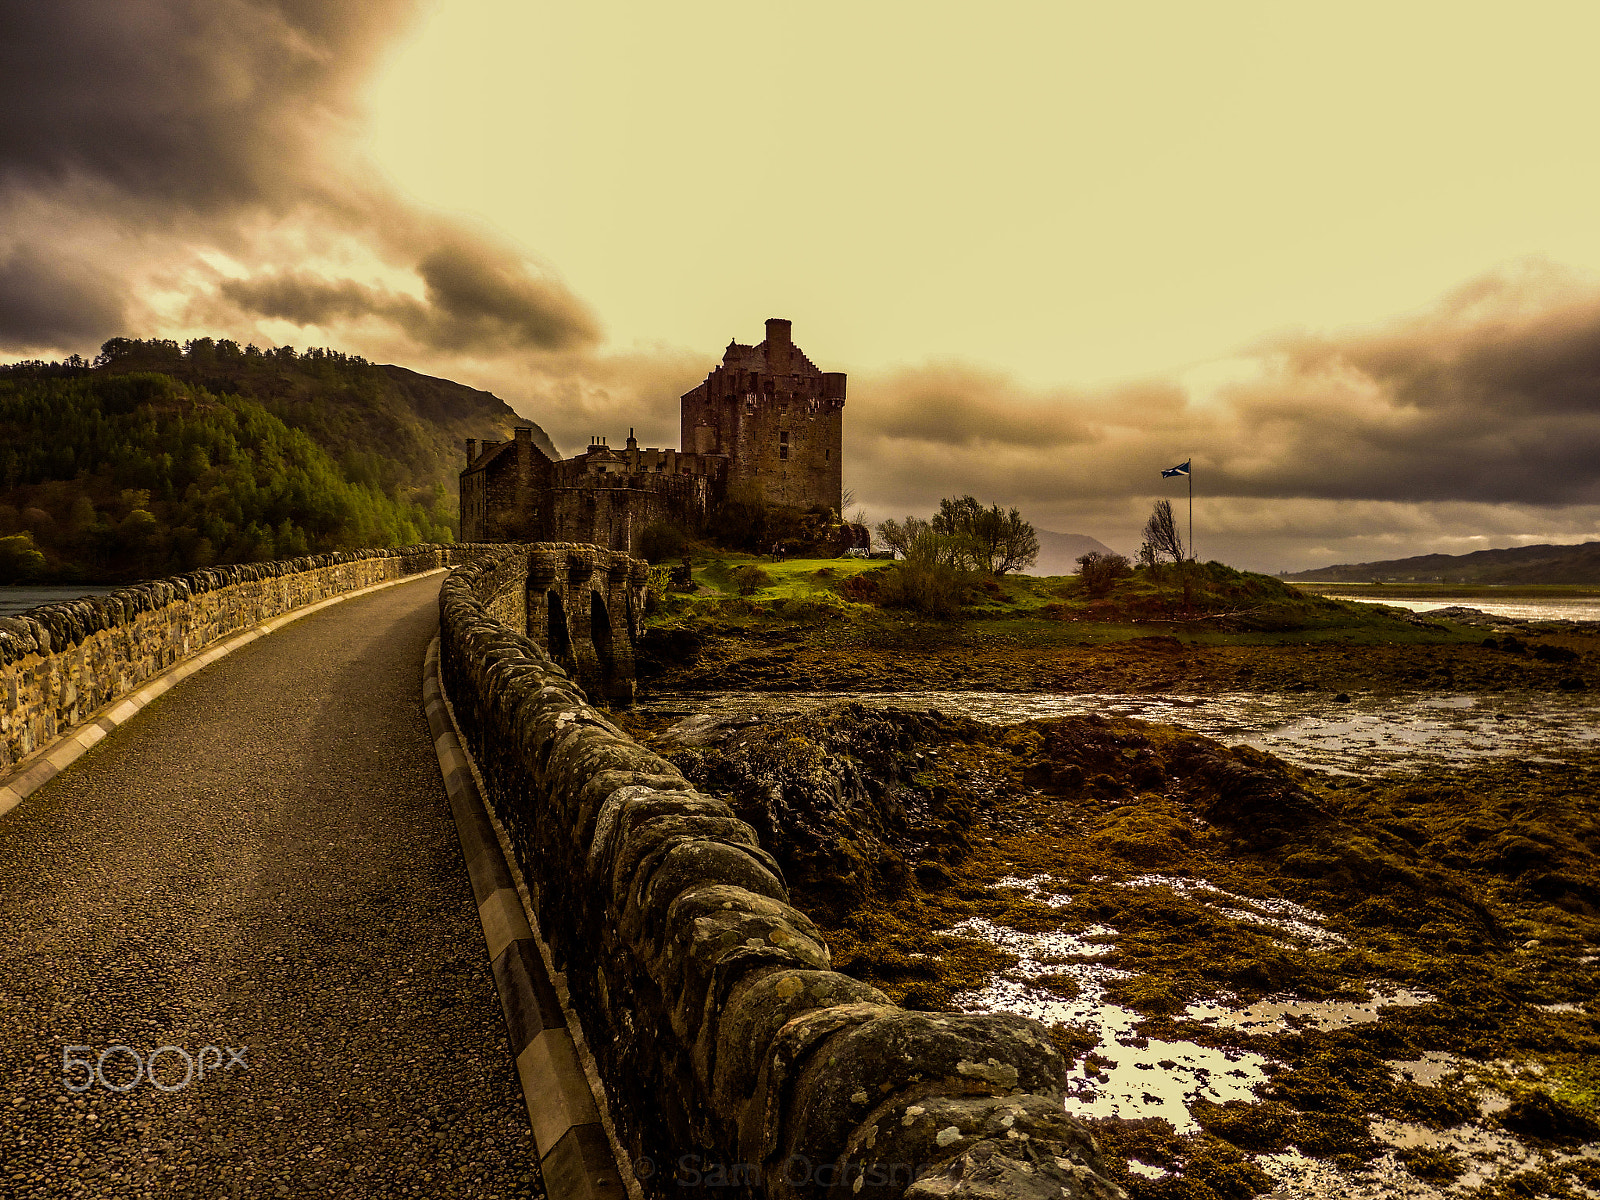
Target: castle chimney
x=472, y=451
x=778, y=331
x=524, y=433
x=632, y=445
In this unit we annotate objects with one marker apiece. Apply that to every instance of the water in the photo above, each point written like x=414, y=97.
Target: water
x=1527, y=610
x=1543, y=608
x=1136, y=1076
x=14, y=600
x=1367, y=734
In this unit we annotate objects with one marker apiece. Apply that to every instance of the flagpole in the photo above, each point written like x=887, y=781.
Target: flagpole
x=1191, y=508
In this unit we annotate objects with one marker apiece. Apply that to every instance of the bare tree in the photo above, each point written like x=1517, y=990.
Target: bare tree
x=914, y=537
x=1161, y=536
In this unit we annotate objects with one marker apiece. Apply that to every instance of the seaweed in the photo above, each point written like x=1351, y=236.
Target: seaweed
x=1475, y=884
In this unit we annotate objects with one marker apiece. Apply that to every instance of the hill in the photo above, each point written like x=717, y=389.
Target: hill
x=1520, y=564
x=385, y=425
x=1059, y=552
x=155, y=459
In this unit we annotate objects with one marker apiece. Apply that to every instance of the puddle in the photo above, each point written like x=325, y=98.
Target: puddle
x=1277, y=1014
x=1356, y=737
x=1486, y=1153
x=1034, y=886
x=1143, y=1077
x=1428, y=1070
x=1151, y=1077
x=1282, y=915
x=1145, y=1169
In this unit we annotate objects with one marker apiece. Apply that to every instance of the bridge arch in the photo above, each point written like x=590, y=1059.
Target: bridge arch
x=578, y=603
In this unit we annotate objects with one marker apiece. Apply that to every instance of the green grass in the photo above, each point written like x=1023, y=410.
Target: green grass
x=793, y=579
x=1231, y=608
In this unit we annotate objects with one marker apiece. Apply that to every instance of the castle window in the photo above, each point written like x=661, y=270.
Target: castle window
x=783, y=443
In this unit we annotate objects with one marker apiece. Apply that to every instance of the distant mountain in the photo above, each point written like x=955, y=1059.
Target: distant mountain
x=1522, y=564
x=1059, y=552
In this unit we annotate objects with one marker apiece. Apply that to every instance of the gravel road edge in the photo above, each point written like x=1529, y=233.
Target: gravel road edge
x=576, y=1153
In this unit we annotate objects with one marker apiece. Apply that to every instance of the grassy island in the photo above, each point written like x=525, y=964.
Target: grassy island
x=824, y=624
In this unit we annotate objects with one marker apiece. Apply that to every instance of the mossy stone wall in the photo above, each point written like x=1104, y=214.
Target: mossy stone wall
x=733, y=1056
x=61, y=663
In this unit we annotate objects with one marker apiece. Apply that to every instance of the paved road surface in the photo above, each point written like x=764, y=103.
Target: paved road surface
x=262, y=858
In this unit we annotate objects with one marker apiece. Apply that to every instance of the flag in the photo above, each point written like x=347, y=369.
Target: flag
x=1181, y=469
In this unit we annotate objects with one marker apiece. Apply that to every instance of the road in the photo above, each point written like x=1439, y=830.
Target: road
x=262, y=861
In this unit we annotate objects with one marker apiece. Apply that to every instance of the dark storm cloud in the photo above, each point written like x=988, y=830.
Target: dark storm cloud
x=475, y=301
x=51, y=303
x=199, y=104
x=165, y=128
x=953, y=404
x=1493, y=396
x=1477, y=418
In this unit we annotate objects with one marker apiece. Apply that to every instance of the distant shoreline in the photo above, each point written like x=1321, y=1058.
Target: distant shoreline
x=1450, y=591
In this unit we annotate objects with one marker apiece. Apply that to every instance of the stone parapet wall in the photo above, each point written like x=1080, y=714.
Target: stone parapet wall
x=733, y=1056
x=61, y=663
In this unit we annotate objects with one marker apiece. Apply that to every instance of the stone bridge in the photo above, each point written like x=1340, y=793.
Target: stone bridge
x=286, y=855
x=581, y=605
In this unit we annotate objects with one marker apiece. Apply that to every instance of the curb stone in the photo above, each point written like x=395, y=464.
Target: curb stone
x=575, y=1155
x=49, y=761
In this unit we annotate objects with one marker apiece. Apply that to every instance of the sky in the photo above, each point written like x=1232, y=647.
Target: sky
x=1342, y=257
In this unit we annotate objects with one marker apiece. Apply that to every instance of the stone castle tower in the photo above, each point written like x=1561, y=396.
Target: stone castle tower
x=775, y=418
x=766, y=422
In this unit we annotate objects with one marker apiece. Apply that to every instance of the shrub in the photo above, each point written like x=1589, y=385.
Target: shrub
x=932, y=589
x=750, y=580
x=660, y=542
x=863, y=588
x=20, y=560
x=819, y=606
x=1098, y=573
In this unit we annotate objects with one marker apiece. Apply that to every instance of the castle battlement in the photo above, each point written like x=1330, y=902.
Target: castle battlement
x=775, y=417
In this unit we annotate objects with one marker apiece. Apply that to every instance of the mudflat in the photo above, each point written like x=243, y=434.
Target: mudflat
x=1265, y=977
x=1364, y=968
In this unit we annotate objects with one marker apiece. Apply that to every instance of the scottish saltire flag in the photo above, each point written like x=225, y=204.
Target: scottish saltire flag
x=1181, y=469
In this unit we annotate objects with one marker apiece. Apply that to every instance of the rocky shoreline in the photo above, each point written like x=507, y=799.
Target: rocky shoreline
x=1087, y=866
x=798, y=658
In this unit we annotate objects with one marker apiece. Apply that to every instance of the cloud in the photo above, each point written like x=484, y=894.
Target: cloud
x=958, y=404
x=186, y=167
x=1480, y=415
x=145, y=138
x=51, y=303
x=475, y=300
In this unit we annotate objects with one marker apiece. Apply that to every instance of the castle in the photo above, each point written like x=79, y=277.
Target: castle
x=764, y=424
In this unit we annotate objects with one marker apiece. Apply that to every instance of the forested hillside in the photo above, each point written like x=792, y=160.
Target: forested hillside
x=1519, y=564
x=156, y=459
